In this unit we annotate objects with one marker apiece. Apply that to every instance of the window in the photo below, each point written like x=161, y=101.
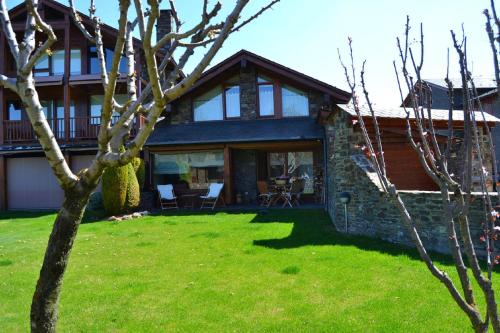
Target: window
x=94, y=63
x=266, y=96
x=57, y=62
x=232, y=95
x=295, y=102
x=189, y=170
x=48, y=111
x=209, y=106
x=59, y=130
x=15, y=110
x=42, y=67
x=75, y=64
x=293, y=164
x=54, y=64
x=96, y=102
x=216, y=105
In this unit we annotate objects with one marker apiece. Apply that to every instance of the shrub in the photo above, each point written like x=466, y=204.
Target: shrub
x=140, y=171
x=114, y=189
x=133, y=197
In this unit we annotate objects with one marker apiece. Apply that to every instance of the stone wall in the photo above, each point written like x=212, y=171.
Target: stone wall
x=245, y=174
x=182, y=108
x=369, y=212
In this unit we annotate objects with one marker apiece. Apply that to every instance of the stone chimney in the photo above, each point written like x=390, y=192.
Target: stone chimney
x=164, y=25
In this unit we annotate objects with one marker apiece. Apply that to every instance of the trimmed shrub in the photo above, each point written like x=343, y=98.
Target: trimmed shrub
x=140, y=171
x=133, y=197
x=114, y=189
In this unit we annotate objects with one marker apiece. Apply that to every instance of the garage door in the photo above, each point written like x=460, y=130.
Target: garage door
x=79, y=162
x=31, y=184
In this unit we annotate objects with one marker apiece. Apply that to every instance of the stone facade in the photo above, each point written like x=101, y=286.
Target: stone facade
x=369, y=212
x=183, y=113
x=245, y=174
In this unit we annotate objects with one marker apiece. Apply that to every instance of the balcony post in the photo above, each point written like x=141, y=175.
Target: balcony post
x=228, y=176
x=3, y=183
x=67, y=97
x=3, y=110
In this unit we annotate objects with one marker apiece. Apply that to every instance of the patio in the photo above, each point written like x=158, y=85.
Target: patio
x=271, y=175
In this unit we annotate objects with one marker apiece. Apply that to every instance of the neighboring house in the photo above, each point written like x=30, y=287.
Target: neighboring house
x=487, y=96
x=70, y=89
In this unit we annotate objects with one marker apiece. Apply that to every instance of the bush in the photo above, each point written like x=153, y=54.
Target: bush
x=114, y=189
x=133, y=197
x=140, y=171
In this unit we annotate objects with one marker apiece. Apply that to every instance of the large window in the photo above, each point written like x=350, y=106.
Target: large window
x=14, y=110
x=191, y=170
x=295, y=102
x=209, y=106
x=293, y=164
x=94, y=64
x=266, y=96
x=219, y=103
x=54, y=64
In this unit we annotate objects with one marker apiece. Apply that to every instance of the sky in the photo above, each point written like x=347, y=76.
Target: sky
x=305, y=36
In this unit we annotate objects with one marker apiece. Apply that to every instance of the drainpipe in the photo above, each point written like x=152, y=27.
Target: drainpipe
x=325, y=171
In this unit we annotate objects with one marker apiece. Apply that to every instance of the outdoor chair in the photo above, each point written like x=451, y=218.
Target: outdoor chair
x=265, y=196
x=295, y=192
x=167, y=198
x=214, y=193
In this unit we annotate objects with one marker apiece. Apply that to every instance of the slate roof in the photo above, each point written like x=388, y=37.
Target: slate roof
x=399, y=113
x=237, y=131
x=479, y=82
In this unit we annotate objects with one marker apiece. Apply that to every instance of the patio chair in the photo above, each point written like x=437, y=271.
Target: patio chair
x=214, y=193
x=265, y=197
x=295, y=192
x=167, y=198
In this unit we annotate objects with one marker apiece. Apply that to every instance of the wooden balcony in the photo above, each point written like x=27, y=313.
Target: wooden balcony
x=74, y=129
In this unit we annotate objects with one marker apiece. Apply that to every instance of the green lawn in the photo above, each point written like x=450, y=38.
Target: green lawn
x=276, y=271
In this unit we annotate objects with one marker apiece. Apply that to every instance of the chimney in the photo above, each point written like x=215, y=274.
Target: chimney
x=164, y=25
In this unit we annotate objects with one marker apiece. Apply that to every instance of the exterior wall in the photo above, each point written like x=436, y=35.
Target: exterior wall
x=183, y=113
x=245, y=174
x=369, y=212
x=491, y=105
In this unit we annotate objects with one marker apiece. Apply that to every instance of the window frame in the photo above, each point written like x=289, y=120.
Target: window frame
x=222, y=87
x=50, y=69
x=278, y=84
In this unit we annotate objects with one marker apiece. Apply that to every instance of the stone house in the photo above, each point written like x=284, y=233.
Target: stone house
x=247, y=119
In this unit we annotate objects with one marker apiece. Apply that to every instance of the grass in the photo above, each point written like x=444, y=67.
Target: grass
x=275, y=271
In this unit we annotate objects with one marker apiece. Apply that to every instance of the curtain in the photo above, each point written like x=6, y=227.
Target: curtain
x=295, y=102
x=208, y=106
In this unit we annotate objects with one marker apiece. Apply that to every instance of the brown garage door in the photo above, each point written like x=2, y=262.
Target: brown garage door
x=31, y=184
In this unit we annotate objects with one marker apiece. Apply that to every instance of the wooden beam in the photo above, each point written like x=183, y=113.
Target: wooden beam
x=228, y=176
x=3, y=183
x=67, y=60
x=3, y=109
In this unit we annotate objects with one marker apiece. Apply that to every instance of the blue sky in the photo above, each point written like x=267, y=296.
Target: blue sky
x=305, y=35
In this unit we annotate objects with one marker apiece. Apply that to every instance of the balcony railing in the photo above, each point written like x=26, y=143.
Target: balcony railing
x=75, y=129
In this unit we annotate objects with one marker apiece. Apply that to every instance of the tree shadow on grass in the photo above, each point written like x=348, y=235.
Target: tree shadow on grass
x=13, y=215
x=315, y=228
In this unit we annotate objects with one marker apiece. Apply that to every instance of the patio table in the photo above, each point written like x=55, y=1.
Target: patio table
x=189, y=200
x=281, y=191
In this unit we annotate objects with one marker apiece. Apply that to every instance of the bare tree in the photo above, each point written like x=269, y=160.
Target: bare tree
x=455, y=193
x=162, y=88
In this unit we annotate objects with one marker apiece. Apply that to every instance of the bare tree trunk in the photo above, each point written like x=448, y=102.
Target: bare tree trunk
x=44, y=307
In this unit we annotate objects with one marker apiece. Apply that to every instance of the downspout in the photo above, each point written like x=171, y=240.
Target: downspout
x=325, y=171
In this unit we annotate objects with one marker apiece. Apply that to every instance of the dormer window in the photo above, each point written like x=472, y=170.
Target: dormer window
x=219, y=103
